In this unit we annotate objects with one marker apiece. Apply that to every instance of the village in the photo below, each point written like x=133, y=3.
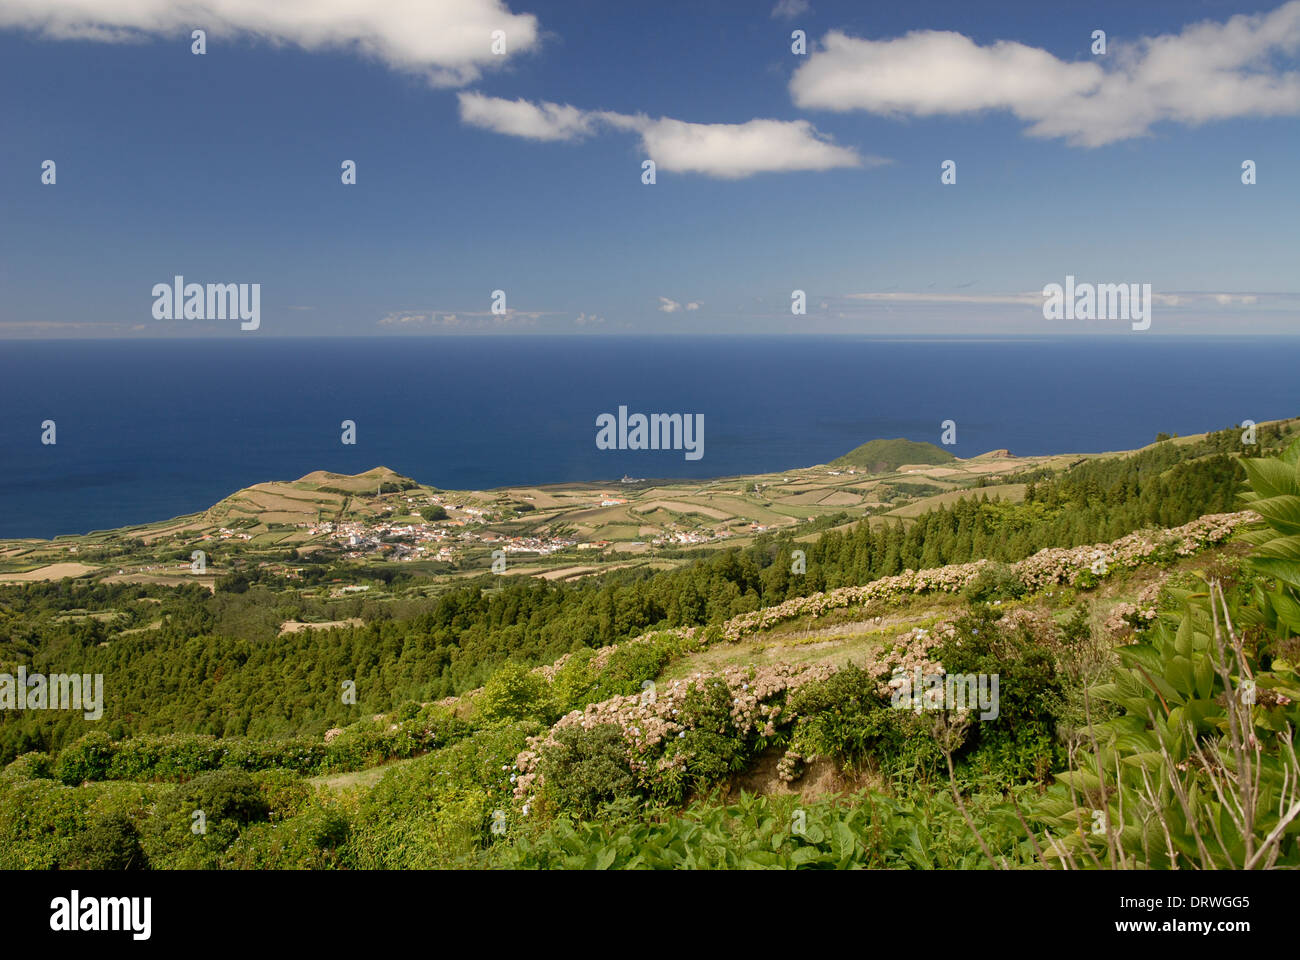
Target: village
x=446, y=538
x=439, y=541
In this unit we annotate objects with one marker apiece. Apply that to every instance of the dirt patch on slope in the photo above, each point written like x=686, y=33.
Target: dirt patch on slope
x=823, y=777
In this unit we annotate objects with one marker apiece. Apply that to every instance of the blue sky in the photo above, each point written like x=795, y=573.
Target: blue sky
x=818, y=172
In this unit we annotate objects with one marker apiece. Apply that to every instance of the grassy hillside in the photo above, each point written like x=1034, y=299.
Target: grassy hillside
x=885, y=456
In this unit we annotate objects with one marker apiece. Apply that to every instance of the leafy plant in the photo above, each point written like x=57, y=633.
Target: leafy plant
x=109, y=842
x=584, y=769
x=1275, y=495
x=996, y=581
x=1199, y=769
x=514, y=693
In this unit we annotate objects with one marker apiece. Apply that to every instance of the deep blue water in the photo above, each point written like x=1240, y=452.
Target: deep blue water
x=149, y=430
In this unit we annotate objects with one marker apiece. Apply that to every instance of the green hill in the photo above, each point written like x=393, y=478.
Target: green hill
x=882, y=456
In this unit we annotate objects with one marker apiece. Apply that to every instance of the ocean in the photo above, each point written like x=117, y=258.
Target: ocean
x=151, y=429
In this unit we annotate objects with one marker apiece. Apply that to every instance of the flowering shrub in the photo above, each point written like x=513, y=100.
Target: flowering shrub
x=1126, y=618
x=697, y=731
x=685, y=735
x=1075, y=566
x=1078, y=565
x=694, y=732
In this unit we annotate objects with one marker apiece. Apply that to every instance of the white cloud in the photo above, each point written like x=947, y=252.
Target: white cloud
x=1035, y=298
x=789, y=9
x=519, y=118
x=731, y=151
x=983, y=298
x=724, y=150
x=448, y=41
x=462, y=320
x=1209, y=71
x=672, y=306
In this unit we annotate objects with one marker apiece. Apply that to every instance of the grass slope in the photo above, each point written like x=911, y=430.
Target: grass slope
x=885, y=456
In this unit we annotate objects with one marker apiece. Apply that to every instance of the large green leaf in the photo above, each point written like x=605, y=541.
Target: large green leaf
x=1271, y=478
x=1286, y=570
x=1204, y=671
x=1184, y=638
x=1141, y=653
x=1286, y=607
x=1181, y=675
x=1281, y=513
x=1151, y=760
x=1200, y=711
x=1285, y=547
